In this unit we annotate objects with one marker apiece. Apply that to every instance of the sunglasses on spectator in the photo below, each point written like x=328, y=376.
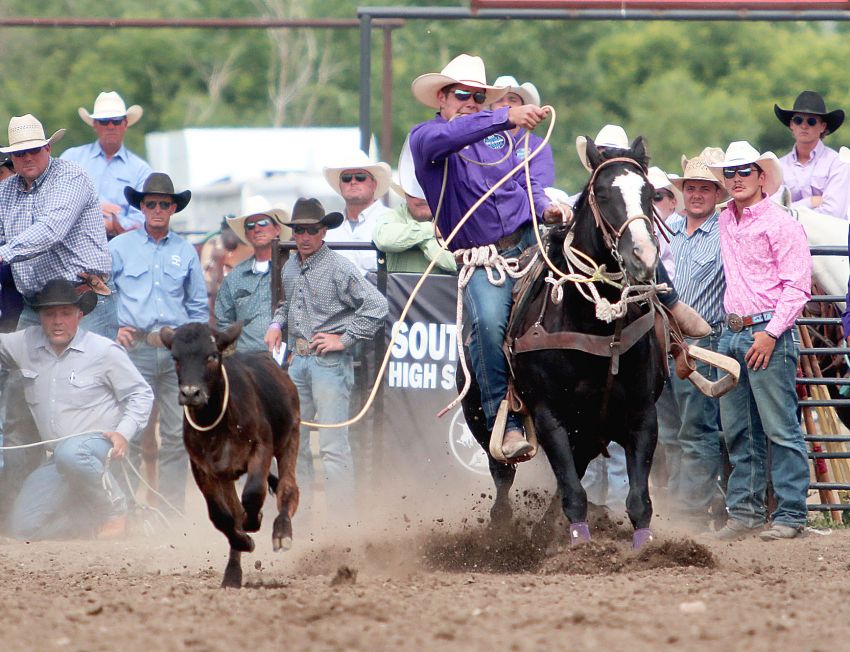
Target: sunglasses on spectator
x=743, y=171
x=346, y=177
x=249, y=226
x=798, y=120
x=110, y=121
x=312, y=230
x=662, y=194
x=463, y=96
x=24, y=152
x=164, y=205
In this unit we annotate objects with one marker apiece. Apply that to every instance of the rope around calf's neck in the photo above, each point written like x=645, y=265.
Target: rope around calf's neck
x=224, y=403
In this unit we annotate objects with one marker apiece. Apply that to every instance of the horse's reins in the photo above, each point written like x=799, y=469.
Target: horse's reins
x=224, y=402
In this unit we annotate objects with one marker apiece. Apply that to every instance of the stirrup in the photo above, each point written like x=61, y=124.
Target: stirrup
x=497, y=436
x=724, y=384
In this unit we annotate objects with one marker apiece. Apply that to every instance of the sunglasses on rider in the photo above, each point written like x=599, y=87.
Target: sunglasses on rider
x=742, y=171
x=798, y=120
x=661, y=195
x=24, y=152
x=346, y=177
x=250, y=226
x=463, y=96
x=312, y=229
x=164, y=205
x=110, y=121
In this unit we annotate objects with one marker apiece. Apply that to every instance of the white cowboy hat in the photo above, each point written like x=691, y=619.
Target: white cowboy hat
x=660, y=181
x=527, y=91
x=696, y=169
x=407, y=182
x=463, y=69
x=256, y=205
x=26, y=132
x=110, y=105
x=740, y=152
x=844, y=154
x=357, y=160
x=609, y=136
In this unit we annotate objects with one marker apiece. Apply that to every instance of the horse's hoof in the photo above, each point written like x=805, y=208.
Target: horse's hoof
x=281, y=543
x=641, y=537
x=579, y=533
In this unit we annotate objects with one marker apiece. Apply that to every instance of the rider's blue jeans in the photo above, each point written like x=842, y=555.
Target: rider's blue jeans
x=487, y=308
x=762, y=408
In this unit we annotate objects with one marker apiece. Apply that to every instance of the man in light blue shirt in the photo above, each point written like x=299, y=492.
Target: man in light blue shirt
x=159, y=282
x=109, y=163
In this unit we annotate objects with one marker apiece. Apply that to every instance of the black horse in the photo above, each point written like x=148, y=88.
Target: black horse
x=579, y=400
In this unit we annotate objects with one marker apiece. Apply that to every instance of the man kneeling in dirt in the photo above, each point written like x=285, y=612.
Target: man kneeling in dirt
x=82, y=389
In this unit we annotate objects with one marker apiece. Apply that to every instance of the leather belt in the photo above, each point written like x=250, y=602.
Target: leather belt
x=302, y=346
x=509, y=241
x=737, y=323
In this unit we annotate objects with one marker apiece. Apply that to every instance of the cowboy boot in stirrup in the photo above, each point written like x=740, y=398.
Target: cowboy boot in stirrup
x=691, y=324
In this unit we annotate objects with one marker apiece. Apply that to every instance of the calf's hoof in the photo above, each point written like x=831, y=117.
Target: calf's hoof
x=242, y=543
x=281, y=543
x=579, y=533
x=641, y=537
x=252, y=523
x=232, y=578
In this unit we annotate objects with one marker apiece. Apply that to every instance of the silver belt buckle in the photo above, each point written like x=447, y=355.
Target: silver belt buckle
x=735, y=322
x=302, y=346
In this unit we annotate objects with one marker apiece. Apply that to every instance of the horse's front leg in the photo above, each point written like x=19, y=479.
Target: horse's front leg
x=643, y=427
x=556, y=442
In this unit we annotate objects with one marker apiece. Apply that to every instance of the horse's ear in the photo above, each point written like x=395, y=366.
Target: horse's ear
x=641, y=151
x=166, y=334
x=594, y=158
x=227, y=337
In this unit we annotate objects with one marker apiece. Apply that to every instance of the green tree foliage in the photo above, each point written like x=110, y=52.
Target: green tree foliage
x=682, y=85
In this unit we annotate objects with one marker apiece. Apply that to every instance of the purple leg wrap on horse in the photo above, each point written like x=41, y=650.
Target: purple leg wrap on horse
x=641, y=537
x=579, y=532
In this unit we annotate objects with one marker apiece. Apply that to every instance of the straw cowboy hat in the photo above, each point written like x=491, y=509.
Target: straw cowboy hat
x=811, y=102
x=26, y=132
x=696, y=169
x=660, y=181
x=741, y=152
x=609, y=136
x=110, y=105
x=463, y=69
x=158, y=183
x=59, y=292
x=256, y=205
x=527, y=91
x=357, y=160
x=309, y=212
x=407, y=181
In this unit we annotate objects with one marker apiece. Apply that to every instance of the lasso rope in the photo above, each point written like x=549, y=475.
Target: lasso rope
x=224, y=403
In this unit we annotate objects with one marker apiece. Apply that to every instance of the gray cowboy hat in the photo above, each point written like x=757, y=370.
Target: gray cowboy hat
x=308, y=212
x=811, y=102
x=158, y=183
x=59, y=292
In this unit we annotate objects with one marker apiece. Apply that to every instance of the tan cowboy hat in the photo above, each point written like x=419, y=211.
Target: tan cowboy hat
x=26, y=132
x=740, y=152
x=357, y=160
x=463, y=69
x=109, y=104
x=660, y=181
x=609, y=136
x=407, y=184
x=256, y=205
x=309, y=212
x=158, y=183
x=696, y=169
x=527, y=91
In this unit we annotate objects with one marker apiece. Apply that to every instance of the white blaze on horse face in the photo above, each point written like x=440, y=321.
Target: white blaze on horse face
x=630, y=185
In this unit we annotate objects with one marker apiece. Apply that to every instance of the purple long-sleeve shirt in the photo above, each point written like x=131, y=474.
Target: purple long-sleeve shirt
x=825, y=175
x=543, y=164
x=466, y=143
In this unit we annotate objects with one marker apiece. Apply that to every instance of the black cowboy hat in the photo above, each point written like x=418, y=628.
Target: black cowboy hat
x=6, y=161
x=158, y=183
x=308, y=212
x=60, y=292
x=811, y=102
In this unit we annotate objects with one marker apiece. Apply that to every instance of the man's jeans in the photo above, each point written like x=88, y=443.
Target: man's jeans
x=65, y=496
x=487, y=308
x=157, y=367
x=669, y=425
x=324, y=389
x=764, y=407
x=698, y=438
x=606, y=480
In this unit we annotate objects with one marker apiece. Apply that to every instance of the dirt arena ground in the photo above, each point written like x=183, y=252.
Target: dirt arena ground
x=435, y=584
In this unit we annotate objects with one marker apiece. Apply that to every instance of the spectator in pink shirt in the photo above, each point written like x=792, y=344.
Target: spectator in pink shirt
x=813, y=173
x=768, y=272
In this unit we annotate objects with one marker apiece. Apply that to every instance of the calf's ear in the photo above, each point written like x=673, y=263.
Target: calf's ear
x=166, y=334
x=225, y=338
